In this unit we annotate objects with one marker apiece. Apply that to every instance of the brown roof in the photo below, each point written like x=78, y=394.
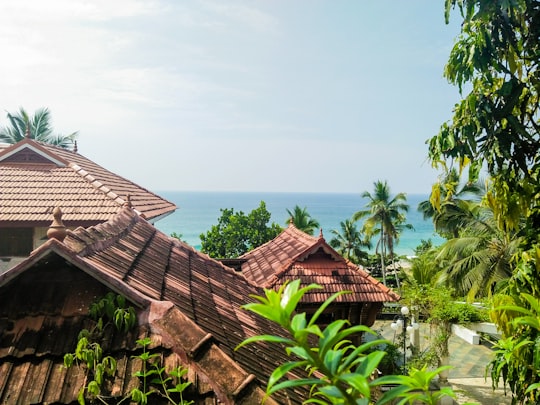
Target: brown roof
x=294, y=254
x=131, y=257
x=42, y=312
x=36, y=177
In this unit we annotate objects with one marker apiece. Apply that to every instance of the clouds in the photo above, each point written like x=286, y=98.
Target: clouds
x=236, y=95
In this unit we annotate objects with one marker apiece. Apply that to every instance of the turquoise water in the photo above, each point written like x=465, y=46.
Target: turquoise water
x=198, y=211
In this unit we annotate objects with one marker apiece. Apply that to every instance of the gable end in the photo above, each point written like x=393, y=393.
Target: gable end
x=27, y=154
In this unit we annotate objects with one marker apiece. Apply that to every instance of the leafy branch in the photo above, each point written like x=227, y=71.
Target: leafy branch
x=338, y=372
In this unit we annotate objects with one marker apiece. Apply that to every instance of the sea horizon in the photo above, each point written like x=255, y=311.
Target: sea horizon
x=198, y=211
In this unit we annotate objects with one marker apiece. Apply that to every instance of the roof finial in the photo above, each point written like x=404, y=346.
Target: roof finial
x=75, y=149
x=57, y=230
x=27, y=134
x=321, y=234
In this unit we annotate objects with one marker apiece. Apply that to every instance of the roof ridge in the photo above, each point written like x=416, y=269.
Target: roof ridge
x=82, y=157
x=98, y=185
x=292, y=227
x=85, y=241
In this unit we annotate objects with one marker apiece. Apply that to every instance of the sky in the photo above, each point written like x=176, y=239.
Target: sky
x=273, y=95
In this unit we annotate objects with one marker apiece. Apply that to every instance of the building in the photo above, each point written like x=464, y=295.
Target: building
x=35, y=178
x=293, y=254
x=188, y=303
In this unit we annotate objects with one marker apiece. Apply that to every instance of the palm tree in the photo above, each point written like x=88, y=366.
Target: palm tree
x=385, y=218
x=445, y=205
x=479, y=260
x=37, y=127
x=302, y=220
x=350, y=241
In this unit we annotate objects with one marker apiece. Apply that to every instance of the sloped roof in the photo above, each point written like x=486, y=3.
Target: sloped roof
x=39, y=325
x=36, y=177
x=130, y=256
x=294, y=254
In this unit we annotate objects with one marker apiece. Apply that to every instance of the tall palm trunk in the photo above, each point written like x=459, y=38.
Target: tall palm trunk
x=383, y=267
x=398, y=283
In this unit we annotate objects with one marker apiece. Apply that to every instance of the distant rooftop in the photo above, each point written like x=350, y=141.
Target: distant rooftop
x=36, y=177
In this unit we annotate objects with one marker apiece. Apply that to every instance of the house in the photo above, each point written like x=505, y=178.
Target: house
x=294, y=254
x=36, y=177
x=186, y=302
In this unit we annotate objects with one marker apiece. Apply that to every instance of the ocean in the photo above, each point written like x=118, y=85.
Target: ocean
x=198, y=211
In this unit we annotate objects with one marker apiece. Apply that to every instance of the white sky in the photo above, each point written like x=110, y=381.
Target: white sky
x=280, y=95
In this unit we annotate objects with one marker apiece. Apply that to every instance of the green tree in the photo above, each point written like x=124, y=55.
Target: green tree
x=385, y=217
x=445, y=205
x=479, y=259
x=303, y=220
x=349, y=242
x=424, y=268
x=237, y=233
x=38, y=127
x=495, y=125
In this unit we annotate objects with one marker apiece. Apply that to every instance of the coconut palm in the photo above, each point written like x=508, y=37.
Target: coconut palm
x=37, y=127
x=349, y=242
x=303, y=220
x=479, y=260
x=385, y=217
x=444, y=206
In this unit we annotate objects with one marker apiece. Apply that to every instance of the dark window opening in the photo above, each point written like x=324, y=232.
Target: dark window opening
x=16, y=241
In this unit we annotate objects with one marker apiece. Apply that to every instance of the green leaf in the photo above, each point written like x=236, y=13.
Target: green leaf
x=80, y=396
x=265, y=338
x=359, y=382
x=369, y=363
x=93, y=388
x=332, y=360
x=392, y=394
x=325, y=304
x=68, y=360
x=282, y=370
x=294, y=383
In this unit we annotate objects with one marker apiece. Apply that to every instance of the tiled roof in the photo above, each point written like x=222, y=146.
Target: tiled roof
x=36, y=177
x=42, y=312
x=130, y=256
x=294, y=254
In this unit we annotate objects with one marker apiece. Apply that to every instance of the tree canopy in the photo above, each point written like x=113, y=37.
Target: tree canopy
x=301, y=218
x=384, y=216
x=495, y=64
x=237, y=233
x=38, y=127
x=349, y=242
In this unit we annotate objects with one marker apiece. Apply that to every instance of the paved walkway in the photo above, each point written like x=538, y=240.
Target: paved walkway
x=467, y=376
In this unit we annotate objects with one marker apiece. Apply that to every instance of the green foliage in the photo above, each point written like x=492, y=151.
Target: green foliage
x=302, y=220
x=415, y=387
x=496, y=126
x=517, y=355
x=431, y=303
x=113, y=311
x=237, y=233
x=39, y=127
x=176, y=235
x=385, y=217
x=424, y=268
x=458, y=313
x=337, y=371
x=350, y=242
x=156, y=380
